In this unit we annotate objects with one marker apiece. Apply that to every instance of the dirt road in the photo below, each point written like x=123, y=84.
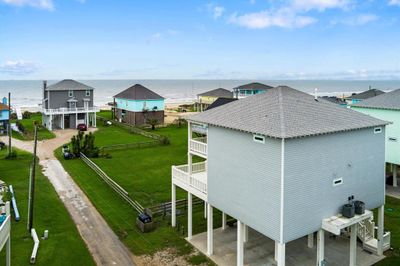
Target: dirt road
x=103, y=244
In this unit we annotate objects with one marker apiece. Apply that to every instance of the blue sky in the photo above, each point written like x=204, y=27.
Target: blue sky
x=252, y=39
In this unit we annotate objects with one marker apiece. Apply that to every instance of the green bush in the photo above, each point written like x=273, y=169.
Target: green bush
x=26, y=115
x=20, y=127
x=12, y=155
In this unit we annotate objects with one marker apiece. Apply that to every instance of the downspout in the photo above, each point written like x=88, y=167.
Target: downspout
x=282, y=189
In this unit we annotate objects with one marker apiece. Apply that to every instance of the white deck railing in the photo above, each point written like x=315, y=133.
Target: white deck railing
x=70, y=110
x=181, y=173
x=199, y=145
x=5, y=231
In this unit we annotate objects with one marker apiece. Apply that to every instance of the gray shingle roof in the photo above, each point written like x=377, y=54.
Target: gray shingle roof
x=219, y=102
x=366, y=94
x=68, y=84
x=253, y=86
x=138, y=92
x=389, y=100
x=220, y=92
x=283, y=112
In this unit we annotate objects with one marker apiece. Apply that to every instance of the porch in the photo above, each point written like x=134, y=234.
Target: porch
x=260, y=250
x=193, y=181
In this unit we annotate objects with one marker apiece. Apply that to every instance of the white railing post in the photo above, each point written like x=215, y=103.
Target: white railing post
x=173, y=206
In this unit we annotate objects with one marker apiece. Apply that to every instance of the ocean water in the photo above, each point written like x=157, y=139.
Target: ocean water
x=28, y=93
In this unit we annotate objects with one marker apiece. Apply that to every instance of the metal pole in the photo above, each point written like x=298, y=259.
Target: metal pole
x=32, y=184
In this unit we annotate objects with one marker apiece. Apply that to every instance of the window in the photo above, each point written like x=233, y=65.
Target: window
x=258, y=138
x=378, y=130
x=337, y=182
x=392, y=139
x=71, y=93
x=88, y=93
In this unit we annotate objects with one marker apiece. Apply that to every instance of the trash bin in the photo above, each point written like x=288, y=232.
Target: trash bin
x=348, y=210
x=359, y=207
x=144, y=222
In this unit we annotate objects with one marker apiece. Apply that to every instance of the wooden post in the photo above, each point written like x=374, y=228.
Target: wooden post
x=240, y=250
x=190, y=218
x=353, y=245
x=210, y=230
x=32, y=183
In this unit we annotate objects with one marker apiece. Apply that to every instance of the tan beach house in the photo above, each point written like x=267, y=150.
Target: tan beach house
x=274, y=165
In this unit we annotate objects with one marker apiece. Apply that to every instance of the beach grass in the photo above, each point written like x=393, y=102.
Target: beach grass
x=28, y=124
x=64, y=245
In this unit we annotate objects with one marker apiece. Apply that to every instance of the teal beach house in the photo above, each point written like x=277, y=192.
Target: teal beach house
x=250, y=89
x=386, y=107
x=137, y=105
x=4, y=116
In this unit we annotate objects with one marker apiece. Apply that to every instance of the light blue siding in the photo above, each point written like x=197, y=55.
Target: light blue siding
x=244, y=178
x=4, y=115
x=138, y=105
x=311, y=165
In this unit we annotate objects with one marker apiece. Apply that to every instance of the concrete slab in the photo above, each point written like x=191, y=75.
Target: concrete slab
x=259, y=250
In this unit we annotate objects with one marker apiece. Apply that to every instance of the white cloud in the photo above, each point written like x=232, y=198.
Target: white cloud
x=18, y=67
x=394, y=2
x=320, y=5
x=358, y=20
x=42, y=4
x=216, y=10
x=162, y=35
x=284, y=18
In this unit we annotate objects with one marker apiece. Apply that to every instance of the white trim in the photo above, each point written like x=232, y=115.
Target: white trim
x=282, y=189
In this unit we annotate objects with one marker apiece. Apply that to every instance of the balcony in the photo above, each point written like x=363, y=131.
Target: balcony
x=5, y=228
x=60, y=111
x=196, y=183
x=198, y=146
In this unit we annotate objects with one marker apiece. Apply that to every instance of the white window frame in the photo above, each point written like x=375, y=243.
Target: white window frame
x=87, y=93
x=70, y=93
x=337, y=182
x=259, y=138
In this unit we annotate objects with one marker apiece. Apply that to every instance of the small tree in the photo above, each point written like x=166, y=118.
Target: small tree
x=153, y=122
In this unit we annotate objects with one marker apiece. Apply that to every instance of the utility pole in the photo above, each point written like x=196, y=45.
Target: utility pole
x=9, y=125
x=32, y=183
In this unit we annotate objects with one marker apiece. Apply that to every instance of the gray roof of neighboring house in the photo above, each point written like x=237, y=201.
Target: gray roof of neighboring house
x=253, y=86
x=389, y=100
x=138, y=92
x=68, y=84
x=219, y=102
x=366, y=94
x=220, y=92
x=283, y=112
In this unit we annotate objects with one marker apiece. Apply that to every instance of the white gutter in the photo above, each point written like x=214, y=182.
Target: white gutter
x=282, y=189
x=35, y=245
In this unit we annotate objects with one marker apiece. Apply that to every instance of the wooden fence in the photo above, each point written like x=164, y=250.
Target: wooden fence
x=114, y=185
x=165, y=208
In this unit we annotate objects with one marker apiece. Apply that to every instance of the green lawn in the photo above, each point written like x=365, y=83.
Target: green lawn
x=105, y=113
x=28, y=124
x=64, y=246
x=146, y=175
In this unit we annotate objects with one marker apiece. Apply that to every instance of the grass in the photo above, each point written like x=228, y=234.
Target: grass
x=64, y=246
x=146, y=175
x=105, y=113
x=43, y=133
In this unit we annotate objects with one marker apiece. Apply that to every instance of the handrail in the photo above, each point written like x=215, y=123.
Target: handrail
x=66, y=109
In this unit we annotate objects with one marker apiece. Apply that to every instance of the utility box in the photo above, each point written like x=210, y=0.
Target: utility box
x=145, y=223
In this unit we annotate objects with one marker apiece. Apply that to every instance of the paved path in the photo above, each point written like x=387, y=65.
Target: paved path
x=103, y=244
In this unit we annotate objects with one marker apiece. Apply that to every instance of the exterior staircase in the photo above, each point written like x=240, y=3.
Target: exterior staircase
x=366, y=233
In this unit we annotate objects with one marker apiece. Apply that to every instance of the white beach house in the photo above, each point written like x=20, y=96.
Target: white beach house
x=279, y=163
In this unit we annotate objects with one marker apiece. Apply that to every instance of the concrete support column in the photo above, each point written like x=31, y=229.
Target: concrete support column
x=240, y=240
x=246, y=233
x=381, y=215
x=190, y=215
x=320, y=247
x=76, y=120
x=281, y=259
x=223, y=221
x=394, y=175
x=209, y=230
x=95, y=121
x=353, y=245
x=276, y=251
x=310, y=240
x=63, y=121
x=173, y=206
x=205, y=210
x=51, y=122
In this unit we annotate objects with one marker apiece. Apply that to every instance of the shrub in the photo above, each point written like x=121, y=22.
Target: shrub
x=153, y=122
x=165, y=140
x=180, y=122
x=20, y=127
x=26, y=115
x=85, y=144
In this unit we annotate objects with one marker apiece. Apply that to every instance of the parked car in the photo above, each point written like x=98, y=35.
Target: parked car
x=82, y=127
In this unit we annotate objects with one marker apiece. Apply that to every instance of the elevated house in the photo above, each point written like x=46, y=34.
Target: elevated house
x=246, y=90
x=205, y=99
x=137, y=104
x=4, y=116
x=275, y=164
x=386, y=107
x=358, y=97
x=68, y=103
